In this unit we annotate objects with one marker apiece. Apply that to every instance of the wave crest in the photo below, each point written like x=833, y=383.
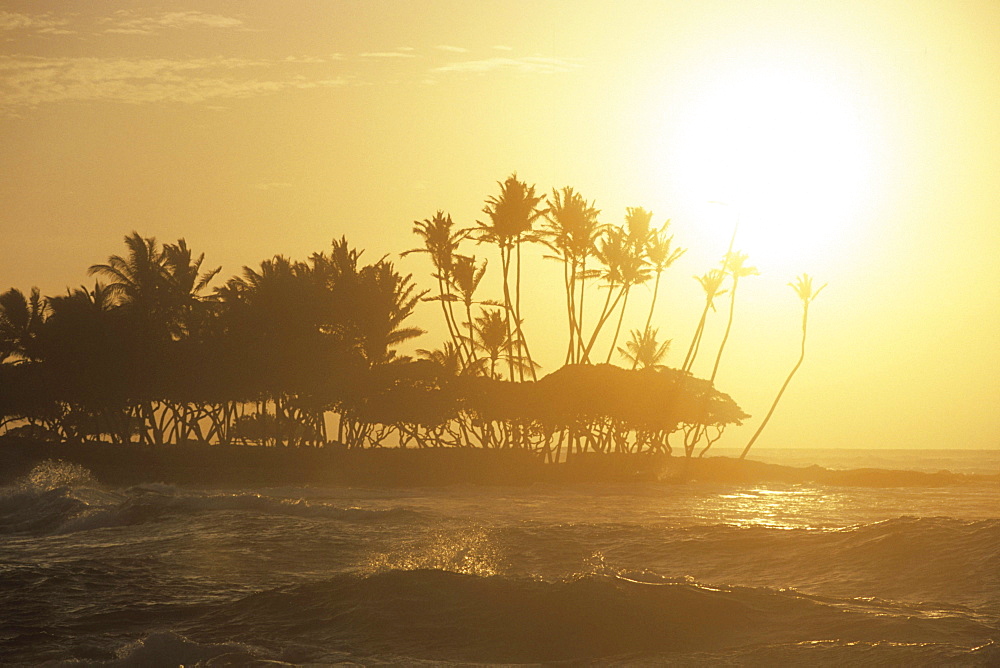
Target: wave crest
x=436, y=614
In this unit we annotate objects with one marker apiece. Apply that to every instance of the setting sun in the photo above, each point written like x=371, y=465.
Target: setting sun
x=786, y=151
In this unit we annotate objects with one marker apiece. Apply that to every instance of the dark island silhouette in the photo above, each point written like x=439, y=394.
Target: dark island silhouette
x=150, y=368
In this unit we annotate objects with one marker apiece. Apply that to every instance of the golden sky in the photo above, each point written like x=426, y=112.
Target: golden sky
x=855, y=141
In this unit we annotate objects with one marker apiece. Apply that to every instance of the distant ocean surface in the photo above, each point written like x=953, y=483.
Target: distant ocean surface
x=929, y=461
x=602, y=574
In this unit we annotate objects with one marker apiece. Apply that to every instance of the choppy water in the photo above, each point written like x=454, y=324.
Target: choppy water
x=642, y=573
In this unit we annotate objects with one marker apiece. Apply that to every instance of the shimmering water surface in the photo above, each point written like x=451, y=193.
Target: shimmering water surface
x=690, y=574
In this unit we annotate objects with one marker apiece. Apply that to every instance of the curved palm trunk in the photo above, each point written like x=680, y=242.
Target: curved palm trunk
x=508, y=307
x=652, y=305
x=618, y=329
x=692, y=352
x=729, y=327
x=606, y=312
x=802, y=355
x=472, y=346
x=522, y=341
x=449, y=316
x=569, y=281
x=580, y=311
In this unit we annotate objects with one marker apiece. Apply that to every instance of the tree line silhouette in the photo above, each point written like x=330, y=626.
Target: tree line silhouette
x=150, y=355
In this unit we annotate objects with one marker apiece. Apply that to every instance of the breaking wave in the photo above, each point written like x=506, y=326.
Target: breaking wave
x=57, y=497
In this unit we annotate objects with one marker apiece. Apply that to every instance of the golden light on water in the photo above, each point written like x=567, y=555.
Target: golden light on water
x=775, y=509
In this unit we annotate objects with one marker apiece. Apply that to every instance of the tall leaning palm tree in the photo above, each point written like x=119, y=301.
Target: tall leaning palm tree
x=511, y=216
x=735, y=266
x=803, y=287
x=635, y=263
x=661, y=255
x=711, y=283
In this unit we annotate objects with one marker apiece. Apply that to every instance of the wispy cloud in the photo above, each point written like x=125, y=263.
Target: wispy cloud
x=528, y=64
x=388, y=54
x=312, y=60
x=451, y=49
x=46, y=23
x=133, y=22
x=30, y=81
x=503, y=47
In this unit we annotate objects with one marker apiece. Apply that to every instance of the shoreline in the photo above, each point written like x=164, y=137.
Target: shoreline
x=237, y=465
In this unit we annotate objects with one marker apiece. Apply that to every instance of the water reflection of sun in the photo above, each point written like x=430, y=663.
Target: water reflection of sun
x=774, y=509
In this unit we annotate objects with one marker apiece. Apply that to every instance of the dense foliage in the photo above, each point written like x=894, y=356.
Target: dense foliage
x=278, y=352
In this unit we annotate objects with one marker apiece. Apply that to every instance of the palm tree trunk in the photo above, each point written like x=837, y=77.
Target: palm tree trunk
x=449, y=316
x=580, y=310
x=696, y=340
x=618, y=329
x=569, y=272
x=521, y=338
x=802, y=355
x=652, y=305
x=729, y=326
x=606, y=312
x=508, y=307
x=472, y=341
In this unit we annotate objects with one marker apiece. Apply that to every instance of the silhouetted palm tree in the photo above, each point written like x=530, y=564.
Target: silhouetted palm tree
x=158, y=285
x=465, y=279
x=511, y=217
x=491, y=337
x=803, y=287
x=661, y=256
x=185, y=281
x=441, y=244
x=447, y=357
x=138, y=280
x=624, y=260
x=386, y=299
x=571, y=232
x=734, y=265
x=20, y=319
x=644, y=351
x=711, y=282
x=635, y=270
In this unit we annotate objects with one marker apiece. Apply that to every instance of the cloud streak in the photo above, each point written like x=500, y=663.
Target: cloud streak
x=30, y=81
x=46, y=24
x=387, y=54
x=130, y=22
x=528, y=64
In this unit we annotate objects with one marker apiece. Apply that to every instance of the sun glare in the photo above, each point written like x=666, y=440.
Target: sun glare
x=785, y=152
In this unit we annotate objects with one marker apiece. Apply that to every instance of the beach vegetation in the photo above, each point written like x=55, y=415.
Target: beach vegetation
x=311, y=353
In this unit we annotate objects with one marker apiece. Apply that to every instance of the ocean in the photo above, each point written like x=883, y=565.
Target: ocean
x=596, y=574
